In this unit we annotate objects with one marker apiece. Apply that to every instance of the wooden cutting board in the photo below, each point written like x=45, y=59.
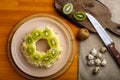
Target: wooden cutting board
x=94, y=7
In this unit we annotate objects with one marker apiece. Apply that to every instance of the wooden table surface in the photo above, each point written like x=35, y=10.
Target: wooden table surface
x=11, y=12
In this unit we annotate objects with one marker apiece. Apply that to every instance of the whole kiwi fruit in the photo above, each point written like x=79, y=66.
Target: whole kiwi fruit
x=83, y=34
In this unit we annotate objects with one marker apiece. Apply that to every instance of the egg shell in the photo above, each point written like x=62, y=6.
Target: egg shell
x=93, y=52
x=103, y=49
x=91, y=62
x=89, y=57
x=96, y=70
x=99, y=55
x=104, y=62
x=97, y=62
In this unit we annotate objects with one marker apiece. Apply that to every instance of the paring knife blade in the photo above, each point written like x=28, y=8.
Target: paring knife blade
x=105, y=38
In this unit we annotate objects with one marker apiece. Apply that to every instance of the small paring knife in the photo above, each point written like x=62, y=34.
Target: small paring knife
x=105, y=38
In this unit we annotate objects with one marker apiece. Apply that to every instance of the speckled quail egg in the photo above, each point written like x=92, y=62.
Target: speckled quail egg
x=104, y=62
x=103, y=49
x=99, y=55
x=96, y=70
x=93, y=52
x=89, y=57
x=91, y=62
x=97, y=62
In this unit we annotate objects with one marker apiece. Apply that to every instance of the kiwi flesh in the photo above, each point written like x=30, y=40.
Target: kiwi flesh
x=29, y=40
x=54, y=53
x=46, y=33
x=30, y=50
x=36, y=57
x=36, y=34
x=80, y=15
x=46, y=59
x=53, y=43
x=67, y=8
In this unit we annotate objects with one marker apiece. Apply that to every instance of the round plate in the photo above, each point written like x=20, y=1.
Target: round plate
x=28, y=24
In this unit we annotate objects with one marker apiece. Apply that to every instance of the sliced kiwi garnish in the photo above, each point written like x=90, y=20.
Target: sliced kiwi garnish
x=54, y=52
x=80, y=15
x=53, y=42
x=30, y=50
x=36, y=57
x=67, y=8
x=46, y=33
x=46, y=59
x=36, y=34
x=29, y=40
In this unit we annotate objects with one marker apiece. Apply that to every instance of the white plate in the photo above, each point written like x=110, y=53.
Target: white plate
x=42, y=20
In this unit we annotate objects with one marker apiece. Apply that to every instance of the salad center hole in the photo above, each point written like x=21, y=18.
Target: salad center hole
x=42, y=45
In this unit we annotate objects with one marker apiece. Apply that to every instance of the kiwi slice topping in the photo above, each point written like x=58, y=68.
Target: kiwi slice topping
x=36, y=34
x=46, y=59
x=67, y=8
x=29, y=40
x=53, y=43
x=46, y=33
x=80, y=15
x=36, y=57
x=53, y=52
x=30, y=50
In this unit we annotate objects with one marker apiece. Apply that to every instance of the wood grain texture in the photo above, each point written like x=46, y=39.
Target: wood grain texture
x=11, y=12
x=95, y=8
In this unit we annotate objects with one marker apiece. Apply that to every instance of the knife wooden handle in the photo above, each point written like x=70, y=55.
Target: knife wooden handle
x=114, y=53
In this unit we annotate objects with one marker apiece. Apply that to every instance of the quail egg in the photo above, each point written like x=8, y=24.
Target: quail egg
x=99, y=55
x=96, y=70
x=104, y=62
x=94, y=52
x=91, y=62
x=103, y=49
x=97, y=62
x=89, y=57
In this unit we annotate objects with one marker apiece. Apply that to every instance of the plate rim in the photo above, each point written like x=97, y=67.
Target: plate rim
x=69, y=61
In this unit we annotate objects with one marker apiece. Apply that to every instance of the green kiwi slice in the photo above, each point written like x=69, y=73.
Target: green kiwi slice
x=36, y=57
x=67, y=8
x=54, y=52
x=36, y=34
x=29, y=40
x=53, y=42
x=80, y=15
x=46, y=59
x=30, y=50
x=46, y=33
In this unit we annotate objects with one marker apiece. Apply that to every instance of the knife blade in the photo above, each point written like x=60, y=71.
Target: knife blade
x=105, y=38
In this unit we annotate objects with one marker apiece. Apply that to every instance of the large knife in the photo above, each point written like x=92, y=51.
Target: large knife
x=105, y=38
